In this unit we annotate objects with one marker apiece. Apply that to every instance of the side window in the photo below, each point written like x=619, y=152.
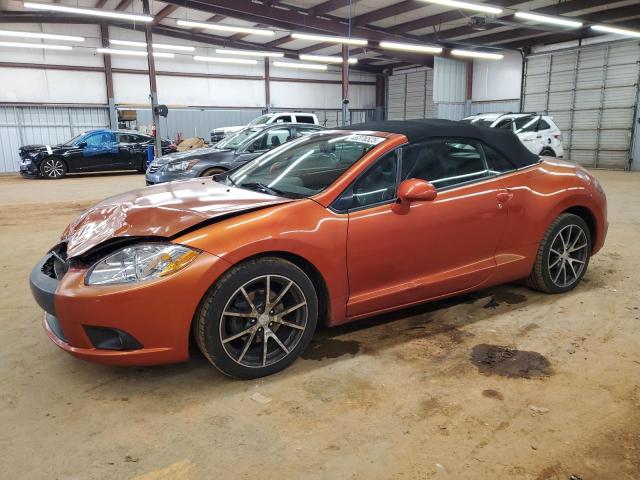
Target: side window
x=271, y=139
x=304, y=119
x=376, y=185
x=100, y=140
x=526, y=124
x=444, y=163
x=504, y=124
x=284, y=119
x=543, y=125
x=496, y=162
x=126, y=138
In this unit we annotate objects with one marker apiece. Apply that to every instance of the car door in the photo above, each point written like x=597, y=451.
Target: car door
x=127, y=151
x=399, y=256
x=100, y=151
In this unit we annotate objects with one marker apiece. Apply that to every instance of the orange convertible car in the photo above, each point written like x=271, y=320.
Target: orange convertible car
x=332, y=227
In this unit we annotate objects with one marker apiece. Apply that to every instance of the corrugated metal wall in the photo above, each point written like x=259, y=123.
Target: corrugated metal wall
x=449, y=80
x=591, y=93
x=410, y=95
x=24, y=125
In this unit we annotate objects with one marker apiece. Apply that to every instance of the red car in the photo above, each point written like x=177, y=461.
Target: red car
x=331, y=227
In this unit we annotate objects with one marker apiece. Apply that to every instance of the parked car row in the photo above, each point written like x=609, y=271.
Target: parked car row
x=539, y=133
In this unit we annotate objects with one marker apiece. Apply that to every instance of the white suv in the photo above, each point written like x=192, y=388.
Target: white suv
x=218, y=134
x=538, y=133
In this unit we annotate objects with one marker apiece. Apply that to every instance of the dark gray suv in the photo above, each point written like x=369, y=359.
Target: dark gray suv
x=230, y=153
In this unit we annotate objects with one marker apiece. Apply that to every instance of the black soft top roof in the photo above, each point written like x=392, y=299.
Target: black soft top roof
x=504, y=141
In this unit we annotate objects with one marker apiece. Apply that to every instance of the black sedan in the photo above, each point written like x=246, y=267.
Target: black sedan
x=93, y=151
x=230, y=153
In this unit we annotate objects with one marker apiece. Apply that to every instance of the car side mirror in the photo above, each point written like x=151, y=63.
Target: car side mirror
x=416, y=190
x=82, y=145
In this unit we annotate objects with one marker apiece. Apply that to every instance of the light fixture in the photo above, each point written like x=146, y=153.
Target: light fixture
x=327, y=38
x=545, y=19
x=472, y=53
x=42, y=46
x=133, y=53
x=307, y=66
x=478, y=7
x=410, y=48
x=89, y=11
x=243, y=61
x=326, y=58
x=226, y=28
x=248, y=53
x=46, y=36
x=619, y=31
x=159, y=46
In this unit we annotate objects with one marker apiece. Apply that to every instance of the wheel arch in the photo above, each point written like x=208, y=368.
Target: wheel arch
x=318, y=280
x=587, y=215
x=213, y=167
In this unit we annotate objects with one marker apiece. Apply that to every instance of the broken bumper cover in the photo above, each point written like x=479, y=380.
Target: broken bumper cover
x=136, y=324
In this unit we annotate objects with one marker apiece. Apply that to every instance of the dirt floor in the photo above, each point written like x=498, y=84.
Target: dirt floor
x=502, y=384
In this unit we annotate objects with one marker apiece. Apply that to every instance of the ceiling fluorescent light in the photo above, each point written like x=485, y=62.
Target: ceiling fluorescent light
x=410, y=48
x=326, y=59
x=618, y=31
x=159, y=46
x=471, y=53
x=243, y=61
x=551, y=20
x=42, y=46
x=327, y=38
x=133, y=53
x=478, y=7
x=226, y=28
x=308, y=66
x=89, y=11
x=248, y=53
x=46, y=36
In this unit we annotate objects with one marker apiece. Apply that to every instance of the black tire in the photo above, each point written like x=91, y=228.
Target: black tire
x=53, y=168
x=142, y=165
x=554, y=273
x=547, y=152
x=219, y=336
x=212, y=171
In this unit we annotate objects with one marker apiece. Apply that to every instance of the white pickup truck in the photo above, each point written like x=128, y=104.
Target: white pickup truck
x=218, y=134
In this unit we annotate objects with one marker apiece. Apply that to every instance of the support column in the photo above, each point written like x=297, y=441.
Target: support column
x=108, y=75
x=345, y=85
x=380, y=96
x=152, y=78
x=267, y=86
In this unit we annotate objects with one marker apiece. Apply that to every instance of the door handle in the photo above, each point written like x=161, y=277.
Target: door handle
x=504, y=195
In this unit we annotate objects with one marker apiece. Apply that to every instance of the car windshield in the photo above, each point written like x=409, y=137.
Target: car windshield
x=234, y=141
x=305, y=166
x=260, y=120
x=75, y=140
x=484, y=123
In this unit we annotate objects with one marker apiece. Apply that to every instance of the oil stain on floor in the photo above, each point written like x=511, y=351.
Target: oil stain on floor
x=508, y=362
x=324, y=348
x=505, y=297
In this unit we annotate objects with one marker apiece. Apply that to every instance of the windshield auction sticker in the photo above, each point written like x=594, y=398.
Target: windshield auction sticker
x=368, y=139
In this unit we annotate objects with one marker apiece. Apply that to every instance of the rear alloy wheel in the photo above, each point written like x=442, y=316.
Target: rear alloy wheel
x=547, y=152
x=563, y=255
x=258, y=318
x=53, y=168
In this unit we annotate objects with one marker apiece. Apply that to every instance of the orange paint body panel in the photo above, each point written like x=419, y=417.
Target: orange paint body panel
x=370, y=261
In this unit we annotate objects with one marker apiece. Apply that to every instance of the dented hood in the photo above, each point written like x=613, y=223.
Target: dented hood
x=159, y=211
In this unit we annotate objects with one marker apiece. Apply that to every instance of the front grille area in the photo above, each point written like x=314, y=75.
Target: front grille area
x=57, y=264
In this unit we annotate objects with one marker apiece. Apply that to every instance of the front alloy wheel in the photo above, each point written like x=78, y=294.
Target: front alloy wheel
x=258, y=318
x=53, y=168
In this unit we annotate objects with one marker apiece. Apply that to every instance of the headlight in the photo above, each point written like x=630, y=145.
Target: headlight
x=180, y=166
x=138, y=263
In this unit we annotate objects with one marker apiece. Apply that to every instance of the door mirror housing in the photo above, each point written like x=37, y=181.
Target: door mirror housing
x=82, y=145
x=416, y=190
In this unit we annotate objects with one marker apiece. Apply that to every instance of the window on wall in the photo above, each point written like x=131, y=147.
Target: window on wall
x=375, y=186
x=444, y=162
